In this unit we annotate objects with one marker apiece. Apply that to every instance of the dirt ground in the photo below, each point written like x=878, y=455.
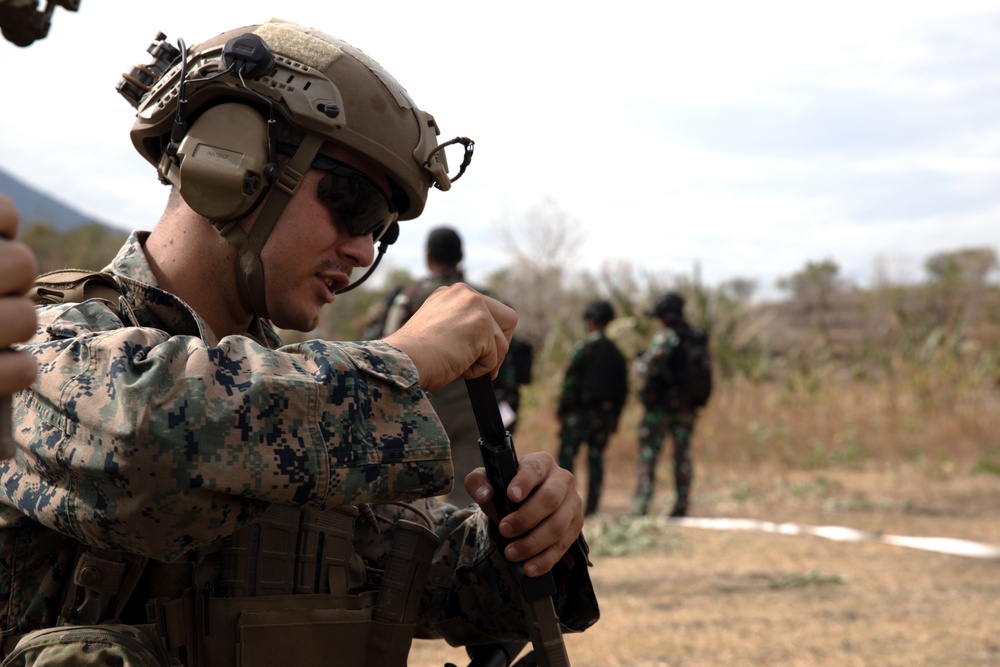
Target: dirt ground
x=721, y=597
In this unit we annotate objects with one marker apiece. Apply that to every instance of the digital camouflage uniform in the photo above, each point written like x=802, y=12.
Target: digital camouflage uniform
x=586, y=419
x=159, y=439
x=672, y=416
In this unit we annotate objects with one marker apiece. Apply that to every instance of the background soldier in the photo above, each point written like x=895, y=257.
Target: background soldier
x=443, y=256
x=187, y=489
x=593, y=393
x=676, y=374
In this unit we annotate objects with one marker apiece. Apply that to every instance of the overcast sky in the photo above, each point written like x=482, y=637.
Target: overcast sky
x=747, y=137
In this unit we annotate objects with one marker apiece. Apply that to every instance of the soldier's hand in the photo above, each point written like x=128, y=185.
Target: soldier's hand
x=17, y=314
x=549, y=519
x=457, y=332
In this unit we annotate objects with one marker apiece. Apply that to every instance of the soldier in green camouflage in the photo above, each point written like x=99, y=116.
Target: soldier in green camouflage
x=667, y=412
x=239, y=501
x=593, y=394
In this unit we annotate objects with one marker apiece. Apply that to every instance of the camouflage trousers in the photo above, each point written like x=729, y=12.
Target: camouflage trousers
x=657, y=424
x=593, y=427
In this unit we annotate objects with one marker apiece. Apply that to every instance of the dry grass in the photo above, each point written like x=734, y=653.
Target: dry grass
x=849, y=455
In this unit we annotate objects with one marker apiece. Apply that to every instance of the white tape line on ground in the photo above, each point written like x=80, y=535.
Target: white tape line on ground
x=945, y=545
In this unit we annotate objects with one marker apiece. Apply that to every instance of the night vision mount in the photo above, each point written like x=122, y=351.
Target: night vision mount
x=137, y=82
x=246, y=57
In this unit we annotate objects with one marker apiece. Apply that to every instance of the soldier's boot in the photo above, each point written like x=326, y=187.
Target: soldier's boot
x=680, y=506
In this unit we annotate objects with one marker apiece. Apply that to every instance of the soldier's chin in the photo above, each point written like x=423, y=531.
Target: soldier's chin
x=302, y=321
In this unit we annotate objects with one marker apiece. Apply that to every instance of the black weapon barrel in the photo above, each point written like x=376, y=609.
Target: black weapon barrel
x=500, y=461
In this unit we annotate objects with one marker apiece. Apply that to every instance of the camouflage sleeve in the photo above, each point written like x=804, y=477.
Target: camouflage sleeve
x=135, y=440
x=471, y=597
x=658, y=351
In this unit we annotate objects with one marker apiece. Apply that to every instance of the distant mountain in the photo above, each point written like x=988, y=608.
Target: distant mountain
x=34, y=206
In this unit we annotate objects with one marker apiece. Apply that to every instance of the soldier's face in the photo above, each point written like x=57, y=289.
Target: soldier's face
x=310, y=254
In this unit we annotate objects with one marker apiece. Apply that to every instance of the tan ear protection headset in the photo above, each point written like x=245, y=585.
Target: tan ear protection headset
x=221, y=165
x=223, y=162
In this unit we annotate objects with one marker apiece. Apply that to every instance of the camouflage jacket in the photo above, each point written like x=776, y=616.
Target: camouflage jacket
x=654, y=357
x=146, y=434
x=652, y=366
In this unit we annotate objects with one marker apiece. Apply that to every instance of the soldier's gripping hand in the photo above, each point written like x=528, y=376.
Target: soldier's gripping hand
x=457, y=332
x=17, y=314
x=549, y=519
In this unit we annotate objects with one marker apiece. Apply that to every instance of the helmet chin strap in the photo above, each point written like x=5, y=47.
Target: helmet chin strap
x=249, y=268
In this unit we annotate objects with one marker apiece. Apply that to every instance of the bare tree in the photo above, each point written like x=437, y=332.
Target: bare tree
x=812, y=288
x=542, y=246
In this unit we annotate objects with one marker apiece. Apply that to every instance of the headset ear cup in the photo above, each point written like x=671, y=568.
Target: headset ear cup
x=222, y=161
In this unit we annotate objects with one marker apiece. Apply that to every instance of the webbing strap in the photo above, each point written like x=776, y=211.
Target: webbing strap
x=106, y=579
x=98, y=574
x=74, y=286
x=250, y=269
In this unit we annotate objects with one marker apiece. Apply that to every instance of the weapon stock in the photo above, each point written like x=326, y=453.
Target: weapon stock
x=500, y=460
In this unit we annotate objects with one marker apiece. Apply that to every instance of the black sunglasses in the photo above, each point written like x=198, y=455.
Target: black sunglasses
x=359, y=202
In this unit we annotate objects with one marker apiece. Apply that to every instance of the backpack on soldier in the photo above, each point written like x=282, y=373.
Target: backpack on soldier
x=605, y=374
x=691, y=366
x=686, y=374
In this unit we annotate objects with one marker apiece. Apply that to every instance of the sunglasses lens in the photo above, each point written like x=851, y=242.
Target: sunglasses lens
x=362, y=206
x=358, y=202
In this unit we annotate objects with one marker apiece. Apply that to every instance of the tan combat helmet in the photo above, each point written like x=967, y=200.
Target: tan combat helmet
x=205, y=119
